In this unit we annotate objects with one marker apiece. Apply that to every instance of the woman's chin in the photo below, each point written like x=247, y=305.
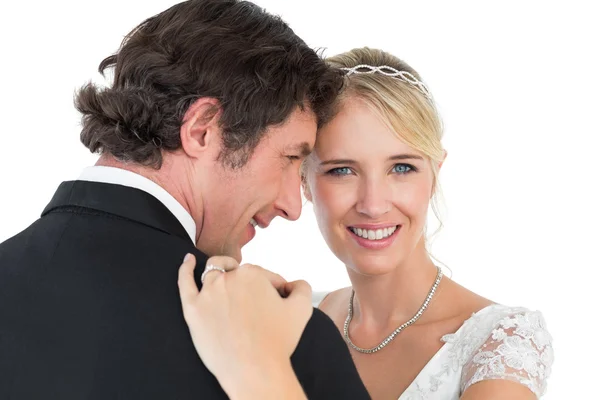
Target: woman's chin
x=373, y=265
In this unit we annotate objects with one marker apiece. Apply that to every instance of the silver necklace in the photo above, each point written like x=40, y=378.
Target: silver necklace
x=391, y=337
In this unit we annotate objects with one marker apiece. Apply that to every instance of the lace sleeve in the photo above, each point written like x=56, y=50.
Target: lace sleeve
x=519, y=349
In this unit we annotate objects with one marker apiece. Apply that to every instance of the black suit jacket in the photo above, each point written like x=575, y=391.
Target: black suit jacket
x=90, y=309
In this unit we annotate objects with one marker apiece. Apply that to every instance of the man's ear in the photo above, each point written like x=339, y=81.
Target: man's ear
x=200, y=128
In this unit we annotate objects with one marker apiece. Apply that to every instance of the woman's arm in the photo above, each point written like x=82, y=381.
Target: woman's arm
x=498, y=390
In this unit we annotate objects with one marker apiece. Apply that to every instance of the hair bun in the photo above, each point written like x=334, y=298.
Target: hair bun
x=121, y=122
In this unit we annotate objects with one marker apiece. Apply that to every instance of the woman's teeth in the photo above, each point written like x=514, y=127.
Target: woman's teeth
x=376, y=234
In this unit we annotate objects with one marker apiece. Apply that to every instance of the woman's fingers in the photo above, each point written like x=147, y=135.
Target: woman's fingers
x=276, y=280
x=218, y=264
x=188, y=290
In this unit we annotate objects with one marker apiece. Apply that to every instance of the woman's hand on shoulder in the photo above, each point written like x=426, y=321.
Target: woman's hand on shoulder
x=245, y=324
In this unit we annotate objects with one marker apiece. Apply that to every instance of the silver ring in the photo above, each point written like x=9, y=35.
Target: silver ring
x=208, y=269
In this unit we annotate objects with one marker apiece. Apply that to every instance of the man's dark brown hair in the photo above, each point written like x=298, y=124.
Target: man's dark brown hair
x=233, y=51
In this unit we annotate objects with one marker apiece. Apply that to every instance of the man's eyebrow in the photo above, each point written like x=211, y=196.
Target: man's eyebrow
x=304, y=149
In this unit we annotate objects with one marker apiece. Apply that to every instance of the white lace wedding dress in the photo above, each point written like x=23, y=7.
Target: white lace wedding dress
x=498, y=342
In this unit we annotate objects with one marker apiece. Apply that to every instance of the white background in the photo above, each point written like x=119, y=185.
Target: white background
x=517, y=83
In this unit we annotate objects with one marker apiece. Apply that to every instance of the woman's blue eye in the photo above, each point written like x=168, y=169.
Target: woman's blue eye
x=340, y=171
x=402, y=168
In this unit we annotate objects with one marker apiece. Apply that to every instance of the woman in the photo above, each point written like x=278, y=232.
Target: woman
x=413, y=333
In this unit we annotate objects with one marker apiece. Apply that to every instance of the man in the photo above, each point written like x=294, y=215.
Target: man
x=214, y=105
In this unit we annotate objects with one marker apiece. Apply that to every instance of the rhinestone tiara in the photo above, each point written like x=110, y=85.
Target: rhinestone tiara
x=392, y=72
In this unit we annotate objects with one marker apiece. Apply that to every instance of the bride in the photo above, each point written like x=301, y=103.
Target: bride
x=413, y=333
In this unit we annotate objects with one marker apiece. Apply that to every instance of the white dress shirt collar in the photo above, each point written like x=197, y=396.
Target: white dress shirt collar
x=123, y=177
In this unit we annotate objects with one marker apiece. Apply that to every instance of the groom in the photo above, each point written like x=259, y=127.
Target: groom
x=214, y=105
